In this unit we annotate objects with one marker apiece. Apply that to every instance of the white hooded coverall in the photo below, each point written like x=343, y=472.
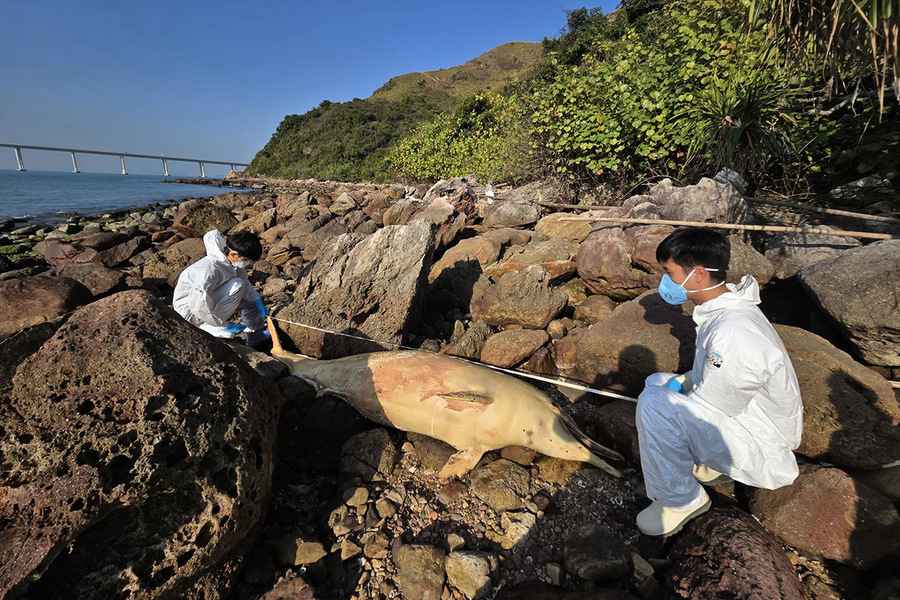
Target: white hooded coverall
x=741, y=413
x=210, y=291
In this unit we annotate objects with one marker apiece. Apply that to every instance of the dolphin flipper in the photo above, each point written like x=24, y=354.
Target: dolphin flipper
x=461, y=463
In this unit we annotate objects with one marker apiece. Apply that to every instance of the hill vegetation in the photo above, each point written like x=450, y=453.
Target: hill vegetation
x=675, y=88
x=348, y=140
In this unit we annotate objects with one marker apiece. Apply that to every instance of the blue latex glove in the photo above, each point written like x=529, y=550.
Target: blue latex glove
x=675, y=385
x=261, y=307
x=234, y=328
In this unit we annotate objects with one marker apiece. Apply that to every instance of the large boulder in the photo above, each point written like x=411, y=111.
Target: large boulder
x=196, y=217
x=29, y=301
x=258, y=223
x=367, y=286
x=707, y=201
x=169, y=264
x=98, y=279
x=519, y=298
x=851, y=417
x=726, y=554
x=453, y=276
x=639, y=338
x=791, y=252
x=556, y=256
x=826, y=513
x=509, y=348
x=554, y=226
x=859, y=289
x=420, y=571
x=620, y=261
x=468, y=343
x=139, y=457
x=59, y=253
x=511, y=214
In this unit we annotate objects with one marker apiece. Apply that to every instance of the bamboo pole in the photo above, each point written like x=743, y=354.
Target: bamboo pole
x=825, y=211
x=736, y=226
x=782, y=203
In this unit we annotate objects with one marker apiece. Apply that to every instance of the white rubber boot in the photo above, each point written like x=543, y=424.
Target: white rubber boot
x=658, y=520
x=708, y=476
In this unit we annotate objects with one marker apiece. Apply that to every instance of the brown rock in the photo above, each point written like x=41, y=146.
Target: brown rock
x=470, y=342
x=95, y=277
x=290, y=587
x=553, y=226
x=511, y=214
x=134, y=484
x=368, y=453
x=118, y=254
x=257, y=224
x=541, y=362
x=726, y=554
x=523, y=298
x=199, y=216
x=420, y=571
x=509, y=348
x=596, y=553
x=639, y=338
x=858, y=289
x=501, y=485
x=29, y=301
x=851, y=417
x=370, y=286
x=433, y=454
x=827, y=513
x=173, y=260
x=594, y=309
x=556, y=256
x=557, y=470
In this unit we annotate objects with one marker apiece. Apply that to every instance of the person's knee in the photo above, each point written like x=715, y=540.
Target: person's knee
x=654, y=403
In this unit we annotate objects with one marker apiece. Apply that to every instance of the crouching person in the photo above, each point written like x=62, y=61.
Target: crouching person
x=214, y=293
x=737, y=412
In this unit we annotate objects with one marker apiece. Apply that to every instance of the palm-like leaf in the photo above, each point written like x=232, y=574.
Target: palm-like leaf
x=838, y=31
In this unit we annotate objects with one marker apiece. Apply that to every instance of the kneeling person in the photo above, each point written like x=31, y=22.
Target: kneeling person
x=215, y=289
x=737, y=412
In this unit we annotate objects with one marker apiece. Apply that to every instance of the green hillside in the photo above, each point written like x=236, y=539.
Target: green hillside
x=349, y=140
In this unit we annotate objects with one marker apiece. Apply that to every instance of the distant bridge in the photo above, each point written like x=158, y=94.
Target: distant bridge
x=74, y=152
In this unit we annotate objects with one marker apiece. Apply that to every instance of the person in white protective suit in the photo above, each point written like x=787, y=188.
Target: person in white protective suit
x=736, y=413
x=214, y=290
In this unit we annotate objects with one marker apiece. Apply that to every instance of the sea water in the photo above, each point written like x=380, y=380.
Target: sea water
x=49, y=196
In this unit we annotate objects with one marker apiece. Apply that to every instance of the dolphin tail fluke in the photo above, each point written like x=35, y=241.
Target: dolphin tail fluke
x=587, y=442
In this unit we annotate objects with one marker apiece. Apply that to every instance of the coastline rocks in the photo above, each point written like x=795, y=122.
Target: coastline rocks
x=469, y=343
x=851, y=417
x=257, y=224
x=726, y=554
x=29, y=301
x=196, y=217
x=792, y=252
x=369, y=286
x=142, y=459
x=826, y=513
x=554, y=227
x=420, y=571
x=98, y=279
x=511, y=214
x=501, y=485
x=470, y=572
x=509, y=348
x=594, y=309
x=858, y=289
x=519, y=298
x=621, y=262
x=640, y=337
x=169, y=264
x=556, y=256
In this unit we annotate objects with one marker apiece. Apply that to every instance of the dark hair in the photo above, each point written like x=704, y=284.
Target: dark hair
x=245, y=243
x=693, y=247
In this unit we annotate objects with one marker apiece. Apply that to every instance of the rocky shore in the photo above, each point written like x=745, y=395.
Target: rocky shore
x=141, y=458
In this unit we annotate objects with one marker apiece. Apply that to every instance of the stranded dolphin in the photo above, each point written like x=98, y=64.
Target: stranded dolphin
x=472, y=408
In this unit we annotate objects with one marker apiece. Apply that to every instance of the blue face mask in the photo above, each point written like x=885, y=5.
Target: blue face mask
x=676, y=293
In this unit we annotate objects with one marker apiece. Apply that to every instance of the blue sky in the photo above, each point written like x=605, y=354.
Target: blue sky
x=214, y=79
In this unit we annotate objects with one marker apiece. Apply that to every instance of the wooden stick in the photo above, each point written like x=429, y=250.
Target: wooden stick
x=825, y=211
x=738, y=227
